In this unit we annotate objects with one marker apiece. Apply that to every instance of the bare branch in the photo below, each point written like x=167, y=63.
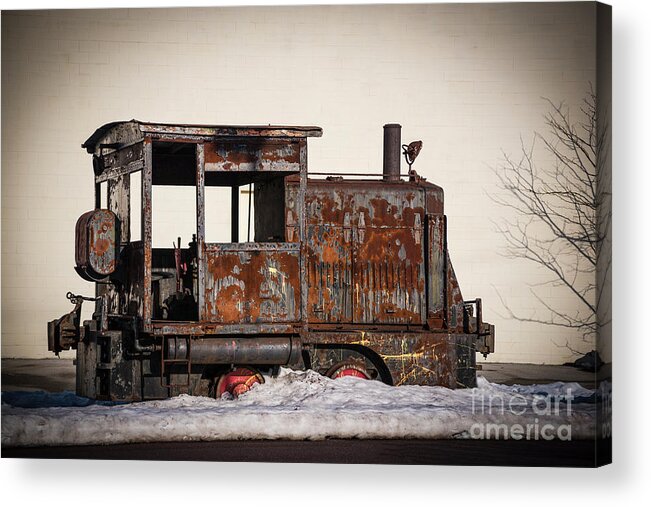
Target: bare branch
x=560, y=224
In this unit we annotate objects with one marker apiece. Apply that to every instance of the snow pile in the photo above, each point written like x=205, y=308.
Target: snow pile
x=305, y=405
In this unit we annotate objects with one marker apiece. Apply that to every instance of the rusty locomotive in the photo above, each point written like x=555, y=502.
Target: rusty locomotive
x=345, y=275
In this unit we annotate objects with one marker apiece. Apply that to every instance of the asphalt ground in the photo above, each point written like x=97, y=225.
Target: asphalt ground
x=56, y=375
x=578, y=453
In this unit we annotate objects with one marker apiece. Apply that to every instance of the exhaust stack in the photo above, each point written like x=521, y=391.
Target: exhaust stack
x=391, y=162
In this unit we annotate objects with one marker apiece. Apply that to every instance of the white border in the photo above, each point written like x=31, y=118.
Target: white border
x=189, y=484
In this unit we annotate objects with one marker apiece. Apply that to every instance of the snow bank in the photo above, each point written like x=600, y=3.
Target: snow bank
x=305, y=405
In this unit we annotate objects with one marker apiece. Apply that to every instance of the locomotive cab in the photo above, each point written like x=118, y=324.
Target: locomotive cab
x=240, y=279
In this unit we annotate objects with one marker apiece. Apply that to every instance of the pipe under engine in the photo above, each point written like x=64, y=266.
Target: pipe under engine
x=392, y=147
x=265, y=350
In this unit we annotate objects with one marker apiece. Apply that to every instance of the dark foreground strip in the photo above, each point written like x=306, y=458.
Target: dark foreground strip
x=579, y=453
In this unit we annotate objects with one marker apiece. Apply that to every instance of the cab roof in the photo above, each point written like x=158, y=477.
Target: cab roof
x=134, y=130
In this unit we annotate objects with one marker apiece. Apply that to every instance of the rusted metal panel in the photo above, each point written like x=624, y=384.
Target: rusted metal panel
x=329, y=253
x=329, y=274
x=437, y=269
x=122, y=157
x=433, y=199
x=391, y=207
x=426, y=360
x=133, y=296
x=253, y=155
x=252, y=285
x=365, y=255
x=109, y=174
x=118, y=375
x=327, y=203
x=110, y=294
x=118, y=162
x=389, y=276
x=383, y=204
x=455, y=300
x=97, y=243
x=86, y=373
x=119, y=203
x=411, y=357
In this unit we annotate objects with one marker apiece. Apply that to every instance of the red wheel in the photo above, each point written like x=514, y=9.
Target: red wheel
x=238, y=381
x=348, y=370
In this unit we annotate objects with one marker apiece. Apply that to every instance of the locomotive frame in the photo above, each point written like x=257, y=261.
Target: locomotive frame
x=347, y=276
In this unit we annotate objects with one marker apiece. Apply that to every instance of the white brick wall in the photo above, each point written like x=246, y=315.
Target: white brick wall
x=466, y=79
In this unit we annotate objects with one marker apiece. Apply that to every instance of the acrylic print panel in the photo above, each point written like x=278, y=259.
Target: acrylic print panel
x=394, y=227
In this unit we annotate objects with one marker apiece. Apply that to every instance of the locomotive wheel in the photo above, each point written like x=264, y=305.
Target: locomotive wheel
x=348, y=369
x=238, y=381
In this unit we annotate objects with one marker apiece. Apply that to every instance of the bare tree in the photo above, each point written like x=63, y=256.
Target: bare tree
x=560, y=206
